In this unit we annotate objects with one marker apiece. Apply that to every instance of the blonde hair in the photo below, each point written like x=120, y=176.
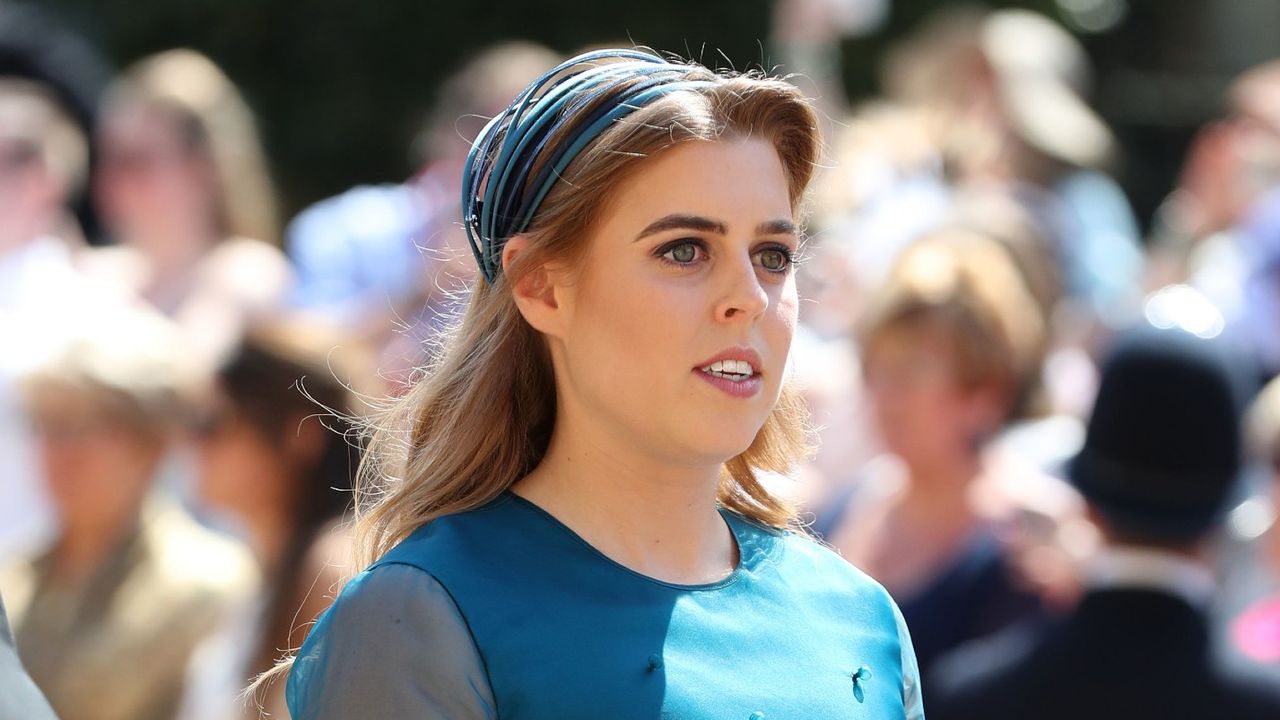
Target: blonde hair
x=481, y=414
x=210, y=110
x=969, y=286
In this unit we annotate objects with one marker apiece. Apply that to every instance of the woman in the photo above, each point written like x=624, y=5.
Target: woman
x=269, y=462
x=570, y=523
x=950, y=345
x=182, y=185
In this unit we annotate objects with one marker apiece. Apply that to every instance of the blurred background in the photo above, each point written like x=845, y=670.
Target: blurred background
x=229, y=230
x=342, y=89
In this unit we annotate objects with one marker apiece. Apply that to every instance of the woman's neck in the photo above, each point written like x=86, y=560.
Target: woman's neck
x=173, y=255
x=941, y=480
x=655, y=517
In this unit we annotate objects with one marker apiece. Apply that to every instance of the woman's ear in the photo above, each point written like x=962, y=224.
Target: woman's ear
x=535, y=290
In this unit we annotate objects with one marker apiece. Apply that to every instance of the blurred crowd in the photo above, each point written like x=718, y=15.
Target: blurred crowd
x=181, y=399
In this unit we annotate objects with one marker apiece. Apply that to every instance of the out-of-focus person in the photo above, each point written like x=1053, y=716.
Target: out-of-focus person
x=1219, y=230
x=950, y=346
x=182, y=184
x=1255, y=633
x=43, y=160
x=983, y=112
x=276, y=457
x=106, y=617
x=36, y=46
x=1007, y=92
x=1159, y=464
x=20, y=699
x=387, y=261
x=882, y=190
x=805, y=38
x=44, y=157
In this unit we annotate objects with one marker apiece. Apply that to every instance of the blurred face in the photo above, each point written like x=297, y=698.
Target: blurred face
x=675, y=332
x=1257, y=150
x=28, y=195
x=240, y=469
x=96, y=467
x=149, y=180
x=922, y=411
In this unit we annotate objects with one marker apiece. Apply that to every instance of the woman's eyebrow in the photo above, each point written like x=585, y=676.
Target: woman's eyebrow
x=683, y=222
x=776, y=227
x=704, y=224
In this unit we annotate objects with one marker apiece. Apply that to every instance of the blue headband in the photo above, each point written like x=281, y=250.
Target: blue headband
x=556, y=100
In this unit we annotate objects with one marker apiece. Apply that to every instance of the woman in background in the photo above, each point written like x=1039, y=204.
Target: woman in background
x=276, y=460
x=950, y=345
x=182, y=184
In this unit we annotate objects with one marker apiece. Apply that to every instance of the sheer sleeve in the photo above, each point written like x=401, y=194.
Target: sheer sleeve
x=911, y=701
x=393, y=645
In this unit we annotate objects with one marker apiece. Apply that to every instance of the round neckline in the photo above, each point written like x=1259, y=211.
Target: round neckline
x=748, y=548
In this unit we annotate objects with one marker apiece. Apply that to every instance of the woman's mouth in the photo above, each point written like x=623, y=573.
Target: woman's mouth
x=735, y=370
x=733, y=377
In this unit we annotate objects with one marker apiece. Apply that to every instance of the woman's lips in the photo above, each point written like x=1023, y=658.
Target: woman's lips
x=744, y=388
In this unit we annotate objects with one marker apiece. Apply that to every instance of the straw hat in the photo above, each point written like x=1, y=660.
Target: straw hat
x=1042, y=74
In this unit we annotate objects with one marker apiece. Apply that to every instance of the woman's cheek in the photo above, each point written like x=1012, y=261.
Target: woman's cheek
x=787, y=311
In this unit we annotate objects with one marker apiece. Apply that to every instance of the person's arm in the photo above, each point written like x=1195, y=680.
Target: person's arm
x=393, y=645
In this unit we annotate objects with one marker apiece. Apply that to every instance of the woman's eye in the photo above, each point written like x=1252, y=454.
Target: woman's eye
x=683, y=252
x=774, y=259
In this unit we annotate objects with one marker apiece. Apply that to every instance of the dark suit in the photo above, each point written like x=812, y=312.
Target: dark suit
x=1124, y=653
x=20, y=699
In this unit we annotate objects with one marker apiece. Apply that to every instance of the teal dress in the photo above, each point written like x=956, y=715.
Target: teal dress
x=504, y=612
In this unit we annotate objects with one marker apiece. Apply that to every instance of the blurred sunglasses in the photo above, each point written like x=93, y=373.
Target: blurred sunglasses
x=210, y=423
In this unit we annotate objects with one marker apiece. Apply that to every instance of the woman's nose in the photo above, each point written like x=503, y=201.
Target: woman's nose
x=744, y=296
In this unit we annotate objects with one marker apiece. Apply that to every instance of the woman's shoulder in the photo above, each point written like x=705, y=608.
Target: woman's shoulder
x=393, y=637
x=391, y=590
x=380, y=607
x=483, y=534
x=800, y=557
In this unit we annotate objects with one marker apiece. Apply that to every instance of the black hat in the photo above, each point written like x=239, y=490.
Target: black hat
x=1163, y=446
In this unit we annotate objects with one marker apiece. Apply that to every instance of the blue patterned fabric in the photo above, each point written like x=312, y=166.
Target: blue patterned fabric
x=564, y=632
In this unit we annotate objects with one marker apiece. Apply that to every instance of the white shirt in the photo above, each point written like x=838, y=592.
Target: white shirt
x=1151, y=569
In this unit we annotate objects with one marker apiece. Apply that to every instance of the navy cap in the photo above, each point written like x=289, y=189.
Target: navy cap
x=1163, y=447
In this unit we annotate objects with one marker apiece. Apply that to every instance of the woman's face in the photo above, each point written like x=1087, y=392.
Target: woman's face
x=240, y=469
x=149, y=180
x=924, y=414
x=673, y=335
x=97, y=469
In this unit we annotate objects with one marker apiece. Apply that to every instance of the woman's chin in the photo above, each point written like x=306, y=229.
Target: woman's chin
x=720, y=443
